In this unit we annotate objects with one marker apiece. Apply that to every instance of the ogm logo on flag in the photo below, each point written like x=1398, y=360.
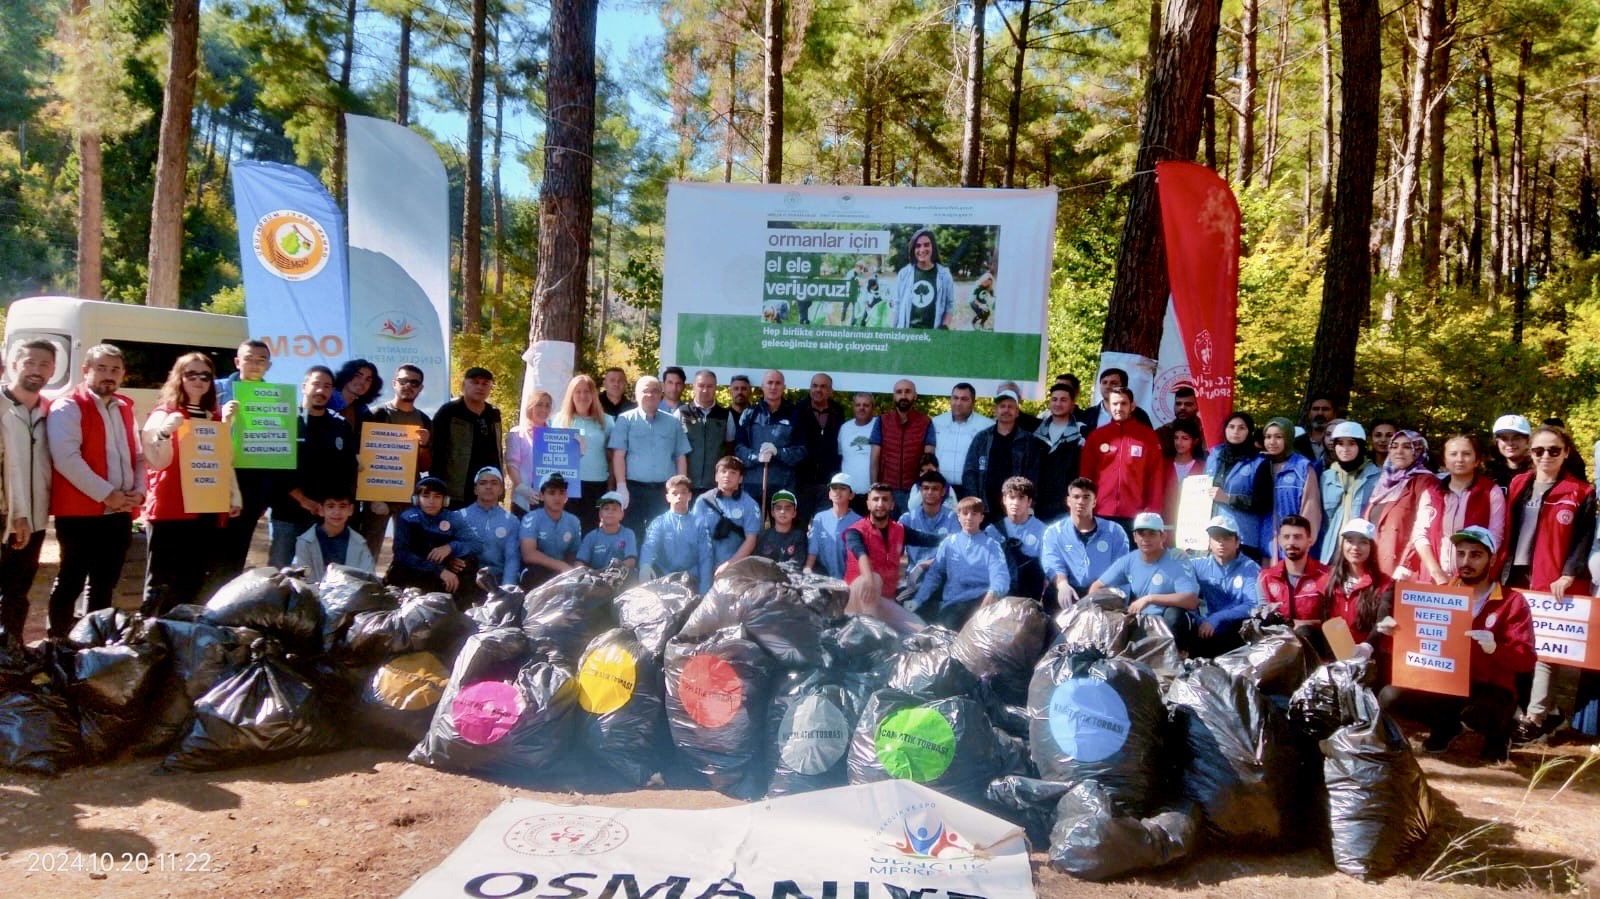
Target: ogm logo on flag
x=290, y=244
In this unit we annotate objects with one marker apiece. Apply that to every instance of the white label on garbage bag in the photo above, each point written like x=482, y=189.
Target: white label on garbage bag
x=813, y=736
x=1088, y=719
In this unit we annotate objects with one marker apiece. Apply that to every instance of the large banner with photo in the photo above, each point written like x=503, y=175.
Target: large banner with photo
x=869, y=284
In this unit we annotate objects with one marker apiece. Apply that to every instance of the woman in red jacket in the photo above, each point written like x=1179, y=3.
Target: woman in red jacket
x=1465, y=497
x=1552, y=528
x=183, y=546
x=1360, y=593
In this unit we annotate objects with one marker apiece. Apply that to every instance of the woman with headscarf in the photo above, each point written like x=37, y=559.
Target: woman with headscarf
x=1241, y=482
x=1393, y=505
x=1464, y=497
x=1295, y=488
x=924, y=291
x=1346, y=484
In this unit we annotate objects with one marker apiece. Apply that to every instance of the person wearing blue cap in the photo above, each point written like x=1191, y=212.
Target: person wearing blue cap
x=675, y=541
x=968, y=571
x=1159, y=581
x=499, y=547
x=549, y=535
x=1230, y=586
x=434, y=550
x=610, y=543
x=825, y=544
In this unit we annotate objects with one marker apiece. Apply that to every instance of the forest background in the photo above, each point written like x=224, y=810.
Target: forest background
x=1486, y=216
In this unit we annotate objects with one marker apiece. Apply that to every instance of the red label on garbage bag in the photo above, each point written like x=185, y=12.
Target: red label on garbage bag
x=486, y=711
x=711, y=691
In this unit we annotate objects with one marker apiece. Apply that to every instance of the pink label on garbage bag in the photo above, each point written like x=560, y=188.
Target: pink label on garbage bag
x=486, y=711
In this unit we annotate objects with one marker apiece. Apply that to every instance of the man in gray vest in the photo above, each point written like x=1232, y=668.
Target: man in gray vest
x=710, y=428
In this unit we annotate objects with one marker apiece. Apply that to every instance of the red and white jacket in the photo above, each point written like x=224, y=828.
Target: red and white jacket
x=1563, y=531
x=1124, y=460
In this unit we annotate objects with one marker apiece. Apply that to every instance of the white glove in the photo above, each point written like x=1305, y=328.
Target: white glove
x=171, y=423
x=1385, y=626
x=766, y=453
x=1485, y=641
x=1363, y=651
x=622, y=490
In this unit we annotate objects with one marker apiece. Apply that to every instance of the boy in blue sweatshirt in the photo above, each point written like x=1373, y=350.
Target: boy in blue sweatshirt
x=549, y=535
x=610, y=542
x=1229, y=589
x=675, y=541
x=968, y=571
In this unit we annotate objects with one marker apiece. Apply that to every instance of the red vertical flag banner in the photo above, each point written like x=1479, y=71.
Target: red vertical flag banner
x=1200, y=221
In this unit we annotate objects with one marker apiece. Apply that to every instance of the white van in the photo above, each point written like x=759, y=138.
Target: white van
x=150, y=339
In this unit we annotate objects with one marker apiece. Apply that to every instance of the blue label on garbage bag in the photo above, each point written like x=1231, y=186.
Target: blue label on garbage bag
x=1088, y=719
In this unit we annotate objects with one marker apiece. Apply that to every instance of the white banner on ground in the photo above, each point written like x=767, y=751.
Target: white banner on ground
x=887, y=839
x=869, y=284
x=399, y=251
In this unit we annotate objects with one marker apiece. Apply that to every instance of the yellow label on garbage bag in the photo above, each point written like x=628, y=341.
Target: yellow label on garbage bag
x=605, y=681
x=411, y=682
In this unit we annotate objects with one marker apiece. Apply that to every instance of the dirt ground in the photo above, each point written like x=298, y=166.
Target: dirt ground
x=367, y=823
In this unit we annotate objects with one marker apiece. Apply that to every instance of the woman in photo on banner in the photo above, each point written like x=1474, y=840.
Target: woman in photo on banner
x=924, y=291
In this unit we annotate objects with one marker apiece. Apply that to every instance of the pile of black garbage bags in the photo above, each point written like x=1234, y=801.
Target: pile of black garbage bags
x=1089, y=729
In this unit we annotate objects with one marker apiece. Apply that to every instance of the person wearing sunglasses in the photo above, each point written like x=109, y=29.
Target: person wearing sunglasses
x=184, y=546
x=1552, y=529
x=402, y=410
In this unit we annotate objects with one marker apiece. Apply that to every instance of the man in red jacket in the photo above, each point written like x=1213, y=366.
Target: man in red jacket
x=1124, y=460
x=1502, y=634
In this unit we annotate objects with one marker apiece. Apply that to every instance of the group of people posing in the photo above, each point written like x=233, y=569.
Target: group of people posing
x=927, y=517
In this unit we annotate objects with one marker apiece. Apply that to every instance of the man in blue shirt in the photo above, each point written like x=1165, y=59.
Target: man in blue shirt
x=647, y=445
x=549, y=535
x=434, y=550
x=968, y=571
x=497, y=530
x=675, y=541
x=1021, y=535
x=1229, y=589
x=1081, y=547
x=1158, y=581
x=610, y=542
x=729, y=515
x=825, y=546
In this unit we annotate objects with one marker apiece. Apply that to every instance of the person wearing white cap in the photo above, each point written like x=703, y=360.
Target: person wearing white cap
x=1512, y=436
x=1002, y=451
x=1465, y=497
x=1502, y=635
x=1357, y=591
x=1346, y=485
x=825, y=543
x=498, y=531
x=1229, y=589
x=610, y=543
x=1158, y=581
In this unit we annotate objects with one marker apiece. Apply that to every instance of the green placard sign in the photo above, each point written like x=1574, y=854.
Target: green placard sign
x=268, y=423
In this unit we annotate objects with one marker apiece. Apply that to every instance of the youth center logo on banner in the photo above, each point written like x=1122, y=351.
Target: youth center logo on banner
x=291, y=251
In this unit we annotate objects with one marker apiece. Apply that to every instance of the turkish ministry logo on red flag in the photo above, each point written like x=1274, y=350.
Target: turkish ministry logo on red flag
x=1200, y=221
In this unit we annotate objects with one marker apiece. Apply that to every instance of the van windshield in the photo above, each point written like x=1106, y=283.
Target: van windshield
x=147, y=364
x=61, y=342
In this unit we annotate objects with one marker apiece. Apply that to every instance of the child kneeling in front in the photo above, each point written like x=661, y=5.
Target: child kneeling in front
x=550, y=534
x=329, y=543
x=968, y=571
x=610, y=542
x=434, y=550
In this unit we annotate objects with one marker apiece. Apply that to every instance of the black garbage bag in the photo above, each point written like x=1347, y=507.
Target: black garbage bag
x=1027, y=801
x=717, y=697
x=502, y=607
x=1100, y=719
x=1148, y=639
x=754, y=568
x=655, y=610
x=926, y=668
x=508, y=711
x=199, y=655
x=947, y=744
x=114, y=672
x=280, y=604
x=1329, y=699
x=827, y=596
x=1002, y=642
x=1095, y=840
x=1240, y=763
x=860, y=643
x=1276, y=658
x=772, y=613
x=398, y=699
x=265, y=711
x=621, y=721
x=38, y=725
x=812, y=718
x=1094, y=620
x=1379, y=806
x=346, y=592
x=572, y=608
x=423, y=622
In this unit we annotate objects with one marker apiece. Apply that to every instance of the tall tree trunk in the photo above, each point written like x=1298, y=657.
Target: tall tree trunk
x=172, y=159
x=472, y=193
x=1474, y=261
x=402, y=99
x=1443, y=28
x=1411, y=157
x=341, y=139
x=566, y=192
x=496, y=194
x=1347, y=284
x=1497, y=236
x=1174, y=100
x=1517, y=229
x=733, y=99
x=1249, y=77
x=1280, y=62
x=1325, y=169
x=91, y=199
x=772, y=117
x=971, y=129
x=1019, y=40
